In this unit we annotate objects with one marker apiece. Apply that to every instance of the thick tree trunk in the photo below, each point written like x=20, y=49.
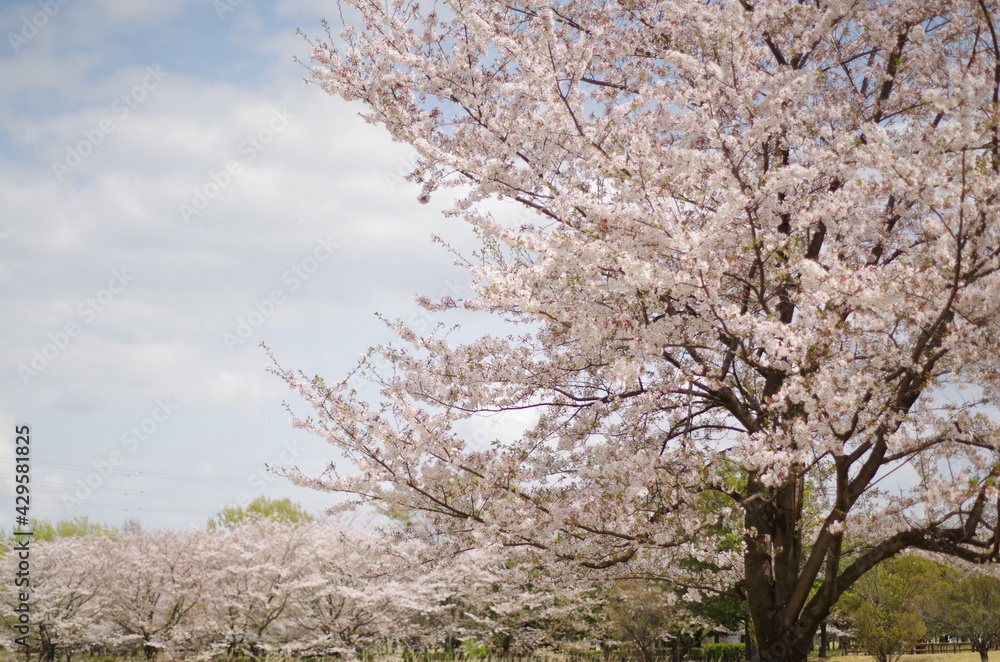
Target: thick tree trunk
x=772, y=567
x=48, y=647
x=776, y=643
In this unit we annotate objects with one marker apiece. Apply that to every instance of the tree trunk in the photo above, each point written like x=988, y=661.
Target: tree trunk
x=777, y=643
x=47, y=652
x=772, y=568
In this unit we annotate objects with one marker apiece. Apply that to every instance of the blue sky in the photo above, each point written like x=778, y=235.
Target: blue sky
x=173, y=195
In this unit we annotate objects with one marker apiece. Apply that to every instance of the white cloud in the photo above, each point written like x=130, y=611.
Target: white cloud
x=326, y=173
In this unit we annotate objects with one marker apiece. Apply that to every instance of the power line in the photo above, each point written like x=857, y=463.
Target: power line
x=138, y=473
x=127, y=509
x=130, y=508
x=134, y=493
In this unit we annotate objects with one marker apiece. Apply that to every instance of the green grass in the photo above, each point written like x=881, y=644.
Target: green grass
x=968, y=656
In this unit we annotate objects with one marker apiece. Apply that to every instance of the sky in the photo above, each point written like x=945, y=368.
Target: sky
x=172, y=195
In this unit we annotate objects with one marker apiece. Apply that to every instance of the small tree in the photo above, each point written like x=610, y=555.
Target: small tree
x=347, y=605
x=974, y=610
x=648, y=617
x=883, y=608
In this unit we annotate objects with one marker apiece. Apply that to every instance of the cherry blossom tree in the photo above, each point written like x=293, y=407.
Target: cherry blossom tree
x=65, y=600
x=511, y=612
x=302, y=588
x=155, y=585
x=758, y=263
x=257, y=572
x=347, y=606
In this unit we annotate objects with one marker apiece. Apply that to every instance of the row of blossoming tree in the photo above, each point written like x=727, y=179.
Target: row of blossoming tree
x=249, y=586
x=299, y=589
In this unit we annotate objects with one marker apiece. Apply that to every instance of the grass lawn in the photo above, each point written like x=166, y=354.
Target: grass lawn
x=969, y=656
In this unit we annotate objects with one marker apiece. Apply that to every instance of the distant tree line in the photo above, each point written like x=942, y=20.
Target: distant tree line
x=269, y=579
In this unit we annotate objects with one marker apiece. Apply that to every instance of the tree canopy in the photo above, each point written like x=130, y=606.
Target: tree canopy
x=884, y=606
x=43, y=529
x=279, y=589
x=260, y=509
x=758, y=259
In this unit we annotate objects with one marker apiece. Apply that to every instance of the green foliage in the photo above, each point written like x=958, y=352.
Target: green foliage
x=723, y=652
x=475, y=651
x=912, y=597
x=887, y=632
x=934, y=599
x=80, y=527
x=884, y=606
x=726, y=611
x=973, y=611
x=261, y=508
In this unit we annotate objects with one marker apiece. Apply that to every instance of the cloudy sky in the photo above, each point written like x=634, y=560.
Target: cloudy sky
x=172, y=194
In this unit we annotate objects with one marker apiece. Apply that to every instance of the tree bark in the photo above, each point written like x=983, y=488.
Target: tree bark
x=773, y=566
x=778, y=643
